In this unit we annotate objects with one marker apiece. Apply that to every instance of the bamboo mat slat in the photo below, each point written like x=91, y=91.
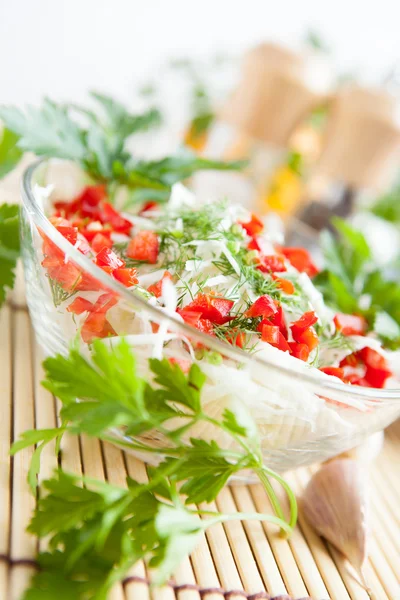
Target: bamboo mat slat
x=234, y=561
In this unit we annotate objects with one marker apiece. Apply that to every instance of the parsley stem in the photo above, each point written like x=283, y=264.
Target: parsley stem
x=271, y=493
x=290, y=494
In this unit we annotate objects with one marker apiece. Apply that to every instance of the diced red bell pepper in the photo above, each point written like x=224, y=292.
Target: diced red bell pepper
x=335, y=371
x=377, y=377
x=101, y=241
x=206, y=326
x=272, y=264
x=190, y=317
x=144, y=246
x=105, y=302
x=350, y=324
x=70, y=233
x=96, y=227
x=254, y=226
x=306, y=320
x=372, y=358
x=264, y=307
x=301, y=260
x=127, y=276
x=300, y=351
x=351, y=360
x=193, y=318
x=253, y=244
x=284, y=284
x=272, y=335
x=279, y=319
x=236, y=338
x=148, y=206
x=309, y=338
x=156, y=288
x=96, y=326
x=79, y=306
x=88, y=283
x=110, y=215
x=213, y=308
x=93, y=194
x=108, y=258
x=67, y=275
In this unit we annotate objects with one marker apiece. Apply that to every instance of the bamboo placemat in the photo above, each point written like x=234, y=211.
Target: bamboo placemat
x=236, y=561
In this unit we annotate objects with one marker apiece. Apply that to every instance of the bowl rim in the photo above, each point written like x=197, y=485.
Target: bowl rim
x=37, y=214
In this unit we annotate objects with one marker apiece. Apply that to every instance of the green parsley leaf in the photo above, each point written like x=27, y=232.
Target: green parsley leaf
x=48, y=131
x=353, y=284
x=99, y=144
x=9, y=247
x=97, y=531
x=387, y=207
x=10, y=154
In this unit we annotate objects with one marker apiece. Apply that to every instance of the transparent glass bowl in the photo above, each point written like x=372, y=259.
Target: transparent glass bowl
x=303, y=416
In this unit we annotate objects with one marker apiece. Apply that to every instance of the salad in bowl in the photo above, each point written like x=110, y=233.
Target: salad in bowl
x=213, y=285
x=115, y=246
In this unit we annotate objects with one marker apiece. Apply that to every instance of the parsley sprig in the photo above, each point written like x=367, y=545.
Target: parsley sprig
x=352, y=283
x=98, y=531
x=9, y=247
x=97, y=141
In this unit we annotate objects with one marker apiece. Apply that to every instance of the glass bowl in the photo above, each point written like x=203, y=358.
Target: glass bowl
x=303, y=415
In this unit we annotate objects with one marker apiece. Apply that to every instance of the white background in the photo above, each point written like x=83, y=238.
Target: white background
x=64, y=47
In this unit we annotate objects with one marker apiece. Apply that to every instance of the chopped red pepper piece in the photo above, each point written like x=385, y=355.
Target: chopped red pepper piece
x=335, y=371
x=96, y=326
x=309, y=338
x=108, y=258
x=236, y=338
x=272, y=264
x=213, y=308
x=96, y=229
x=254, y=226
x=350, y=324
x=264, y=307
x=306, y=320
x=372, y=358
x=127, y=276
x=67, y=275
x=272, y=335
x=70, y=233
x=156, y=288
x=377, y=377
x=193, y=318
x=110, y=215
x=284, y=284
x=144, y=246
x=253, y=244
x=79, y=306
x=279, y=319
x=101, y=241
x=300, y=351
x=148, y=206
x=301, y=260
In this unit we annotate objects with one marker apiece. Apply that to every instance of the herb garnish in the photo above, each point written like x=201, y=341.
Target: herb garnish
x=97, y=532
x=9, y=247
x=352, y=283
x=100, y=145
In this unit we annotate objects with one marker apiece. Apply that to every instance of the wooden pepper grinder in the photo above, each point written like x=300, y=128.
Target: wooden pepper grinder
x=278, y=88
x=361, y=140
